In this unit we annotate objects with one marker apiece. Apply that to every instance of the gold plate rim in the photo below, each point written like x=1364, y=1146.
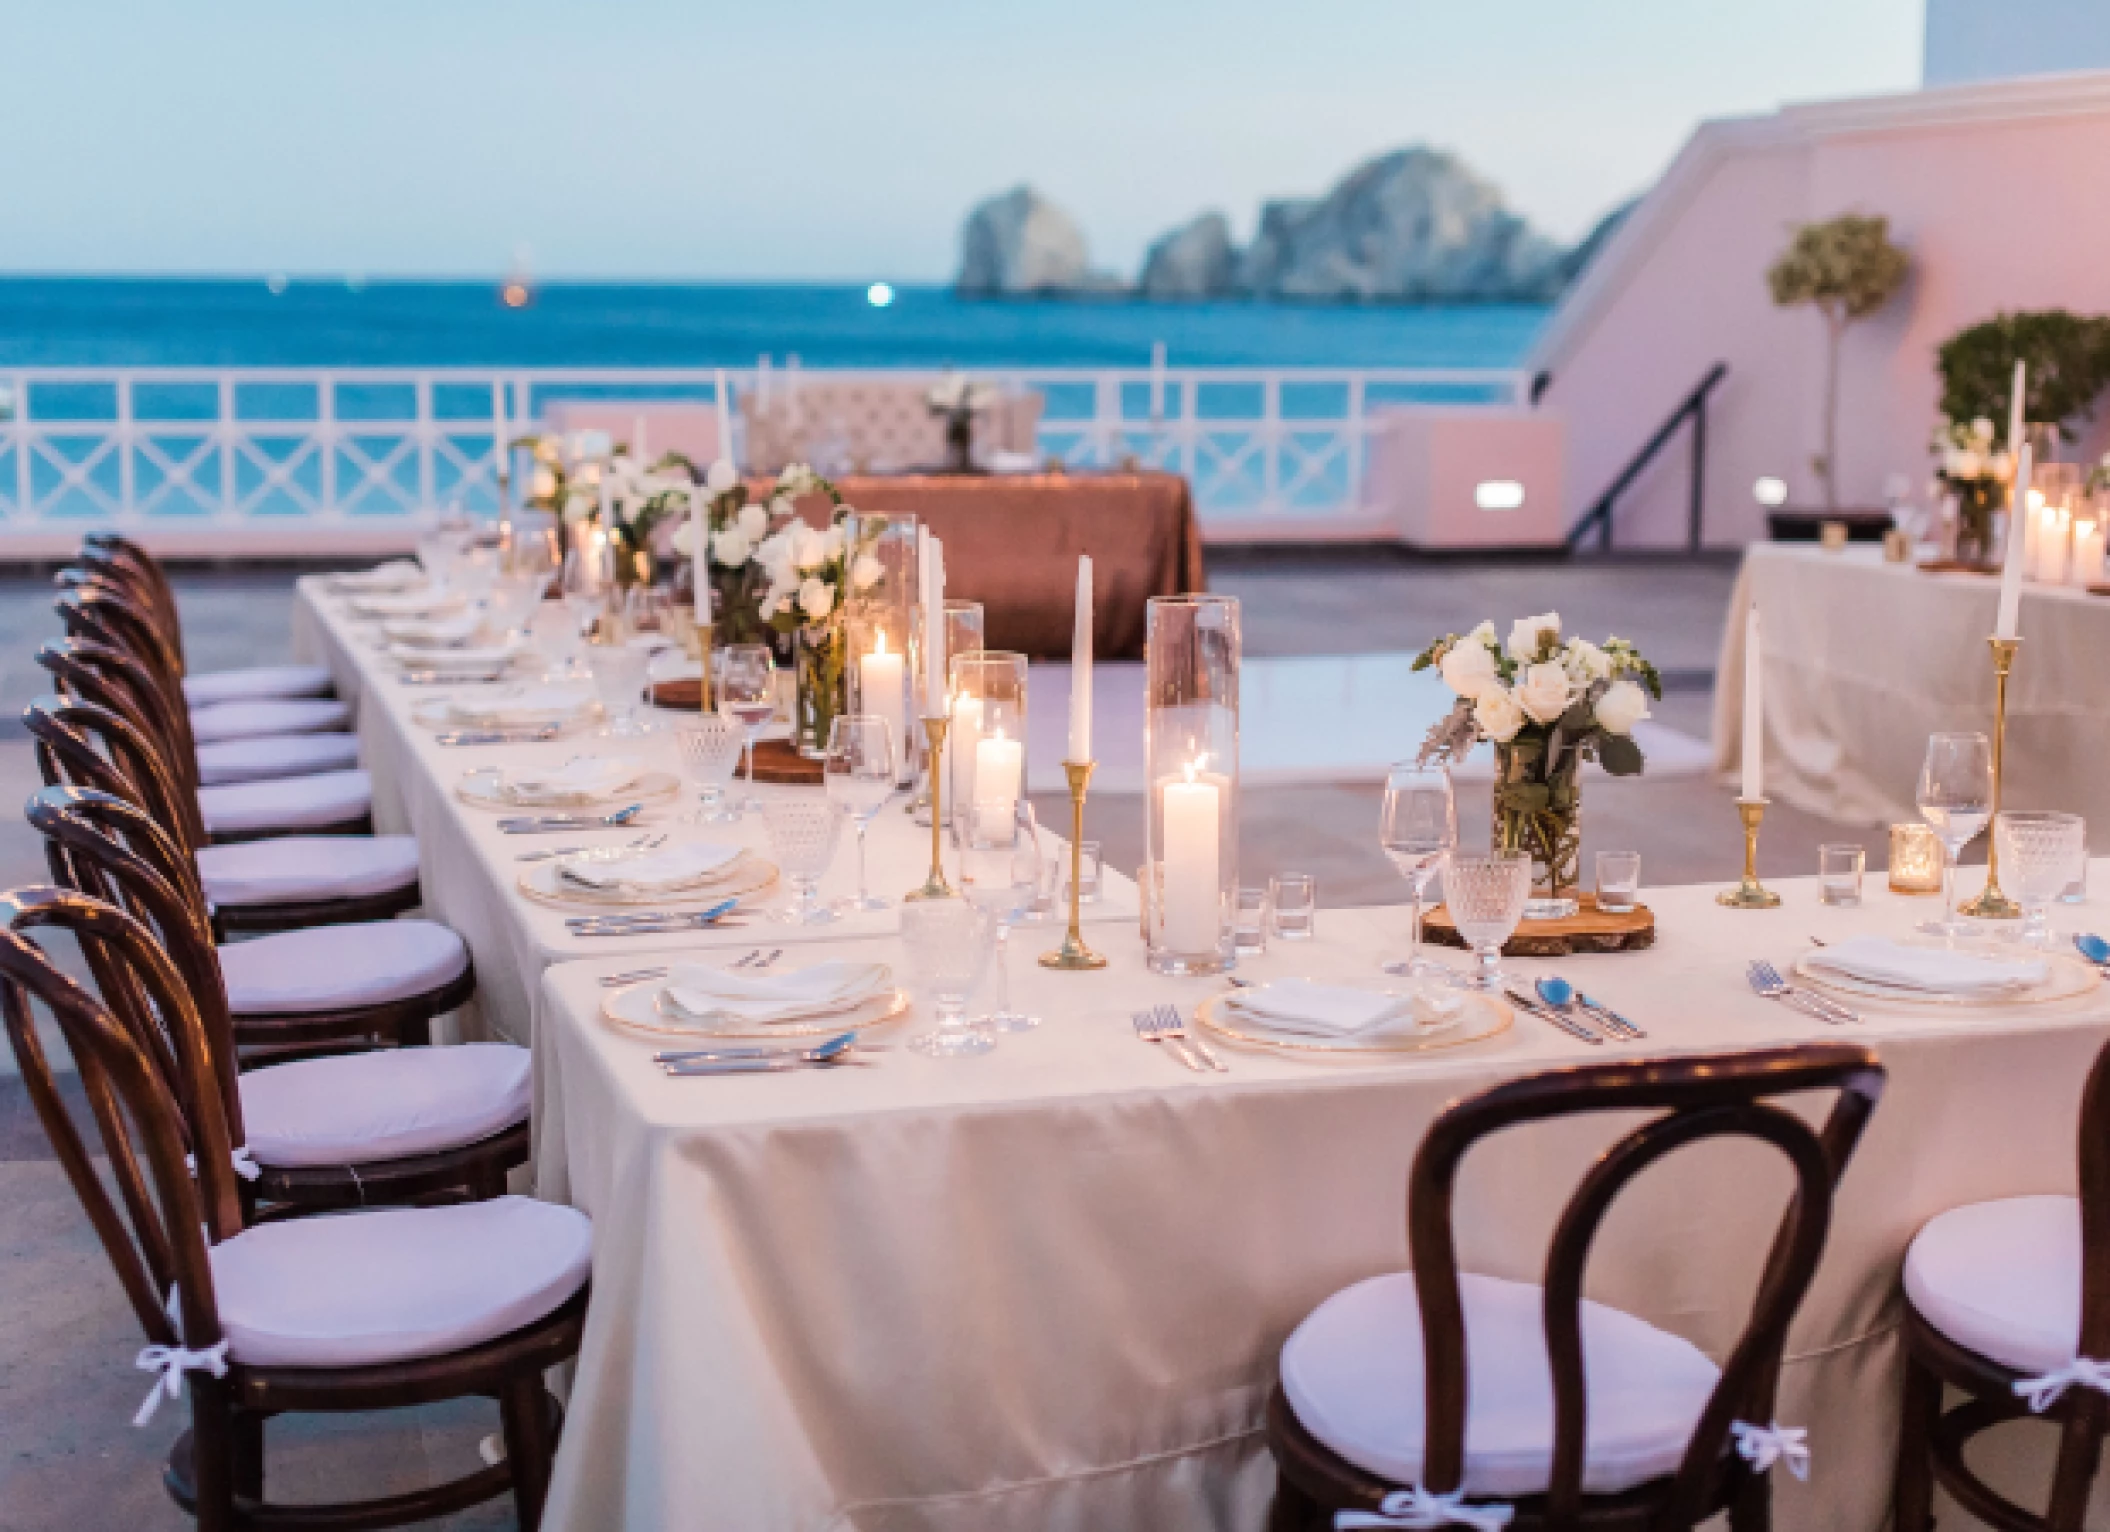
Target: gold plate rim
x=895, y=1002
x=1502, y=1019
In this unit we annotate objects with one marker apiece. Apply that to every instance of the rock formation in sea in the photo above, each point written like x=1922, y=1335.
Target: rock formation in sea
x=1020, y=244
x=1195, y=260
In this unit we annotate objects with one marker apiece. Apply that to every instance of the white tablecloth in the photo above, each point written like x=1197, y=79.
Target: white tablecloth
x=469, y=870
x=1864, y=659
x=1047, y=1288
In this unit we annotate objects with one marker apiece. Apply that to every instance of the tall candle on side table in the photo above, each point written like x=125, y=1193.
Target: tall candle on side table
x=1193, y=839
x=2006, y=623
x=1081, y=667
x=1754, y=778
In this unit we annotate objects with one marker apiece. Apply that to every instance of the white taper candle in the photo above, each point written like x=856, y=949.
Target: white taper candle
x=1081, y=667
x=2010, y=616
x=1754, y=784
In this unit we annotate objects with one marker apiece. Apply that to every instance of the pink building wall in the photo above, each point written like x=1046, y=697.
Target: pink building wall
x=1996, y=190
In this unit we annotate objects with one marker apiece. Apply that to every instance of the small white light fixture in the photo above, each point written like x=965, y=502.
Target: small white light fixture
x=1770, y=491
x=1498, y=495
x=879, y=294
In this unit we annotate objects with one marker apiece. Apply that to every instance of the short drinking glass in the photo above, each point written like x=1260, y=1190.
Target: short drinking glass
x=1839, y=869
x=1249, y=910
x=1618, y=881
x=1294, y=897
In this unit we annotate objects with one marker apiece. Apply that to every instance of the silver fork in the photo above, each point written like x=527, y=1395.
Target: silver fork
x=1171, y=1014
x=754, y=959
x=1766, y=981
x=1153, y=1028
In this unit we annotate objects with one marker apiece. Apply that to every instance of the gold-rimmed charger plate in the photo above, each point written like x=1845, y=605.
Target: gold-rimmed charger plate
x=438, y=713
x=1483, y=1017
x=749, y=875
x=635, y=1009
x=2069, y=979
x=478, y=790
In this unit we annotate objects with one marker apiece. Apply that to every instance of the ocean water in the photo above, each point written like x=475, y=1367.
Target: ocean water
x=148, y=323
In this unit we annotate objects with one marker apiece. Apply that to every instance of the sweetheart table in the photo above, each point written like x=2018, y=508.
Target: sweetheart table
x=1047, y=1288
x=467, y=867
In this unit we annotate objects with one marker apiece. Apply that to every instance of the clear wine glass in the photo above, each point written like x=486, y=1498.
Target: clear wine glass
x=587, y=578
x=2040, y=854
x=747, y=694
x=1956, y=799
x=803, y=835
x=948, y=949
x=710, y=749
x=1486, y=897
x=1417, y=828
x=859, y=776
x=1000, y=874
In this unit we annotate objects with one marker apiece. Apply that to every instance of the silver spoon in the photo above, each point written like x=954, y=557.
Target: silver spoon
x=1558, y=992
x=2092, y=947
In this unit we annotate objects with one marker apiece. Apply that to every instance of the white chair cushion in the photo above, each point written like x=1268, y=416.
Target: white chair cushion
x=242, y=720
x=298, y=868
x=325, y=968
x=384, y=1105
x=289, y=803
x=1352, y=1372
x=268, y=756
x=254, y=682
x=2003, y=1279
x=362, y=1289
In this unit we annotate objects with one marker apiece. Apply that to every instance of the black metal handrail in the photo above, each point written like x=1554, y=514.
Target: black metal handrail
x=1694, y=407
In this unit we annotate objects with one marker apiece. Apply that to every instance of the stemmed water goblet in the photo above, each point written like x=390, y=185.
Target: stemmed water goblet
x=747, y=694
x=1956, y=799
x=2041, y=851
x=1486, y=897
x=619, y=679
x=948, y=947
x=1417, y=828
x=858, y=774
x=803, y=833
x=1000, y=875
x=710, y=749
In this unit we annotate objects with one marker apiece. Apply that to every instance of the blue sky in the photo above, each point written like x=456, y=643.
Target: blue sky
x=810, y=139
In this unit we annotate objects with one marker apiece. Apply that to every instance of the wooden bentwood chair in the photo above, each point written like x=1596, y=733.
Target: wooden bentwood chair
x=362, y=1311
x=2009, y=1302
x=1374, y=1421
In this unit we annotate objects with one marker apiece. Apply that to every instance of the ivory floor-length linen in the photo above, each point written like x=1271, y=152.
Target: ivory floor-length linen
x=468, y=869
x=1047, y=1288
x=1864, y=659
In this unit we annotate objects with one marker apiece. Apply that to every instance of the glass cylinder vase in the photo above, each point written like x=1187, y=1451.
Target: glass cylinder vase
x=1540, y=813
x=879, y=625
x=1190, y=761
x=819, y=655
x=964, y=630
x=985, y=746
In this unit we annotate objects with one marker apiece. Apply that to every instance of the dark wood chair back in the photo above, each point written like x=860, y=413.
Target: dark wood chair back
x=103, y=614
x=112, y=676
x=83, y=744
x=1699, y=1098
x=111, y=552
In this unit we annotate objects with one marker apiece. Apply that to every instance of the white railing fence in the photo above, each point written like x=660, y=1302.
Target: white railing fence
x=1275, y=453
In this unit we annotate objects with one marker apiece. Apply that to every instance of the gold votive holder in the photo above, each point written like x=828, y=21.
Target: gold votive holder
x=1915, y=859
x=1831, y=536
x=1897, y=546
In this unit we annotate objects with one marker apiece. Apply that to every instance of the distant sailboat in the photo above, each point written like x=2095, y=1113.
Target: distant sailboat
x=519, y=289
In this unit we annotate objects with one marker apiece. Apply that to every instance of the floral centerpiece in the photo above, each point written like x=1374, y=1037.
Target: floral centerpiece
x=812, y=573
x=957, y=400
x=575, y=476
x=1968, y=468
x=1547, y=705
x=737, y=525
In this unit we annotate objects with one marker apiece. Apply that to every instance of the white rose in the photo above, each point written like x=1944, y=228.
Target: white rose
x=1527, y=633
x=1484, y=635
x=729, y=549
x=832, y=541
x=866, y=572
x=543, y=485
x=1982, y=428
x=754, y=522
x=809, y=549
x=1543, y=692
x=817, y=599
x=578, y=507
x=1586, y=662
x=781, y=507
x=1621, y=707
x=683, y=541
x=721, y=476
x=1498, y=715
x=1469, y=668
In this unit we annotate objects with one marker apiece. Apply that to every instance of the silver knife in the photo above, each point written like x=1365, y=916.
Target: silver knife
x=653, y=917
x=1606, y=1014
x=498, y=736
x=1574, y=1029
x=743, y=1066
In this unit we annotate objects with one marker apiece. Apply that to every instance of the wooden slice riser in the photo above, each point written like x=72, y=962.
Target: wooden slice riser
x=1589, y=929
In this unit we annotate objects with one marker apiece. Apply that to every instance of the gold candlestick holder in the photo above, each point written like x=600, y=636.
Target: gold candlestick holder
x=1749, y=894
x=1073, y=954
x=1992, y=904
x=935, y=886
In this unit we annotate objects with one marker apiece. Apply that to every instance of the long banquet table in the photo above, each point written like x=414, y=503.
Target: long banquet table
x=468, y=870
x=1864, y=659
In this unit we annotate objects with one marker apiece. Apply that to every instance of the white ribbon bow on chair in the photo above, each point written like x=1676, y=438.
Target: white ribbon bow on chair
x=244, y=1162
x=1763, y=1446
x=2043, y=1392
x=172, y=1362
x=1416, y=1508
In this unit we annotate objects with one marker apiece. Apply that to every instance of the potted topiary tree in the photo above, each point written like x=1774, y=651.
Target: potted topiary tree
x=1846, y=268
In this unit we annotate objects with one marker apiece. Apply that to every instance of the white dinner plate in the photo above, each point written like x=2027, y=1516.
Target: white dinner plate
x=750, y=875
x=636, y=1009
x=1484, y=1017
x=482, y=789
x=440, y=713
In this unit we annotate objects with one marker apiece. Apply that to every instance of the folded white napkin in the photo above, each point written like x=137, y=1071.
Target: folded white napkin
x=1934, y=970
x=396, y=574
x=424, y=603
x=580, y=779
x=1306, y=1008
x=527, y=706
x=434, y=632
x=482, y=659
x=649, y=872
x=714, y=996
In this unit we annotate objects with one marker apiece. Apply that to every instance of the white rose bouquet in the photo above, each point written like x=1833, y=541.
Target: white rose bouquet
x=1966, y=465
x=812, y=574
x=1547, y=704
x=957, y=400
x=737, y=527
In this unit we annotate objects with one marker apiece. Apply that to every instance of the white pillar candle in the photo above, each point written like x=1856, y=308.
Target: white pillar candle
x=1754, y=785
x=2051, y=546
x=2010, y=614
x=2032, y=538
x=700, y=550
x=2086, y=568
x=881, y=692
x=1190, y=900
x=725, y=419
x=1081, y=667
x=999, y=769
x=960, y=742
